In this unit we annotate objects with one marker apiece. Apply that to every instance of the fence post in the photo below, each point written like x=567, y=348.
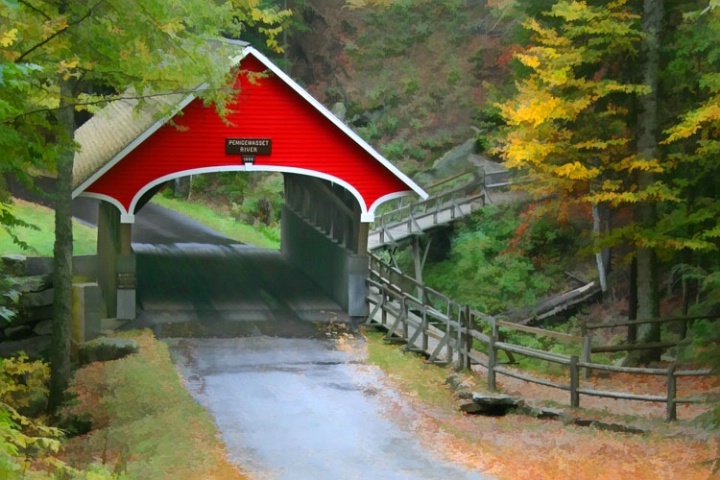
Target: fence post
x=449, y=334
x=574, y=382
x=671, y=392
x=586, y=352
x=468, y=337
x=424, y=327
x=460, y=342
x=491, y=361
x=383, y=315
x=404, y=311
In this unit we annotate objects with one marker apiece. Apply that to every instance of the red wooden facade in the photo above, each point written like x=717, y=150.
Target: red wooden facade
x=305, y=137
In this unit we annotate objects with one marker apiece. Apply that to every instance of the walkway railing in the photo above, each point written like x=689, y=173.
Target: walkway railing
x=442, y=208
x=449, y=332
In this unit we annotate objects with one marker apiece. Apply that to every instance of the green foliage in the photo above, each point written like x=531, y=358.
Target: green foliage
x=262, y=201
x=483, y=272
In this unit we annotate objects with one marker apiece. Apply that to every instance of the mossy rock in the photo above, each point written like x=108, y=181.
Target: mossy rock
x=105, y=349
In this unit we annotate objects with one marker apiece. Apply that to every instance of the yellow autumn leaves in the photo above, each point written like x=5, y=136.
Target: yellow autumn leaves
x=9, y=37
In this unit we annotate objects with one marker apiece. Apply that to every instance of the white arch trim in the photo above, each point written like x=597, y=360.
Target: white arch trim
x=80, y=189
x=387, y=198
x=125, y=216
x=366, y=216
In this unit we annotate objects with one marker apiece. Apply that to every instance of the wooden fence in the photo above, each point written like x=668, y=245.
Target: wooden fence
x=448, y=332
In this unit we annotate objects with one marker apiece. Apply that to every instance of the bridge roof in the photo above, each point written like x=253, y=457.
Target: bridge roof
x=126, y=150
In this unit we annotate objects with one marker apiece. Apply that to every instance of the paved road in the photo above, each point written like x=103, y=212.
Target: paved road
x=302, y=409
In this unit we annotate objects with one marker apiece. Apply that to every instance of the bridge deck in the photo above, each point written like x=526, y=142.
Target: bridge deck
x=418, y=224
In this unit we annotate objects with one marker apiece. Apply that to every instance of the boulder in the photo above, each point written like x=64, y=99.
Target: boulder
x=454, y=381
x=43, y=328
x=17, y=332
x=37, y=299
x=546, y=413
x=35, y=283
x=37, y=348
x=104, y=349
x=339, y=110
x=31, y=316
x=491, y=405
x=15, y=265
x=455, y=160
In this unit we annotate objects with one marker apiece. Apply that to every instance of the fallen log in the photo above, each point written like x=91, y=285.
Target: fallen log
x=556, y=304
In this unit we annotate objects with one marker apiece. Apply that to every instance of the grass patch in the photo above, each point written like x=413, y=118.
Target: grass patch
x=41, y=241
x=145, y=425
x=409, y=370
x=265, y=237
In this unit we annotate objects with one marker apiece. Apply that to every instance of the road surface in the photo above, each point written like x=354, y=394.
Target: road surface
x=302, y=409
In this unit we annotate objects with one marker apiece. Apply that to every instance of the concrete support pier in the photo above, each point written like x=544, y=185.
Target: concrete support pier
x=116, y=263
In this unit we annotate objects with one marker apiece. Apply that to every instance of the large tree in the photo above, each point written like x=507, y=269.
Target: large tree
x=69, y=49
x=569, y=124
x=597, y=84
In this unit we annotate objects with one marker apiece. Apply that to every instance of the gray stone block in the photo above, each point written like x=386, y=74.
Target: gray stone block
x=43, y=328
x=18, y=332
x=493, y=405
x=37, y=348
x=31, y=316
x=39, y=266
x=15, y=265
x=37, y=299
x=35, y=283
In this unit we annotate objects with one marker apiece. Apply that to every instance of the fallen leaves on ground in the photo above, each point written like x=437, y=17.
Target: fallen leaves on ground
x=520, y=447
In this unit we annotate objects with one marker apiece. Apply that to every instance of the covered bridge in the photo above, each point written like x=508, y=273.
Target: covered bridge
x=334, y=180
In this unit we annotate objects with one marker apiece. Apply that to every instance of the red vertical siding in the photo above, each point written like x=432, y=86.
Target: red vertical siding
x=302, y=137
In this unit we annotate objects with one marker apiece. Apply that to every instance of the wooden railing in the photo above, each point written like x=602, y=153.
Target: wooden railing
x=420, y=216
x=448, y=332
x=631, y=345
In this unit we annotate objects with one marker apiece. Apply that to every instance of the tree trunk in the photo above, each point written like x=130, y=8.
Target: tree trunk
x=597, y=231
x=60, y=367
x=632, y=302
x=648, y=299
